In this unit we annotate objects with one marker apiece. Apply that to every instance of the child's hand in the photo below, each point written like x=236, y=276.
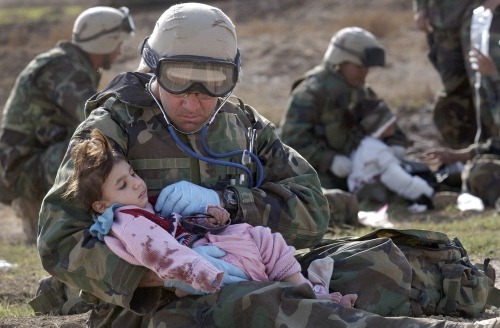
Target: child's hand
x=220, y=215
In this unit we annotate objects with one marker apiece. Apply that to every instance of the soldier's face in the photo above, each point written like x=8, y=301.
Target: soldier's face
x=122, y=186
x=189, y=111
x=354, y=74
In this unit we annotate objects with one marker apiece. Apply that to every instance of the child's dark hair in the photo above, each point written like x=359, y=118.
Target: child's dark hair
x=93, y=160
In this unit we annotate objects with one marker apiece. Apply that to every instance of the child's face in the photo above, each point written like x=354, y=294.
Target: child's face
x=124, y=186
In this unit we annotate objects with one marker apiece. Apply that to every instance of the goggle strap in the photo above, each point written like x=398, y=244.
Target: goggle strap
x=149, y=56
x=349, y=51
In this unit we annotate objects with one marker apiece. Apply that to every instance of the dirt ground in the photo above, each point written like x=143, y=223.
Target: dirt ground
x=279, y=41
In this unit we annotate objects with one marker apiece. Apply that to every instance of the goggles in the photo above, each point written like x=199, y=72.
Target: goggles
x=187, y=74
x=372, y=56
x=198, y=223
x=127, y=25
x=183, y=74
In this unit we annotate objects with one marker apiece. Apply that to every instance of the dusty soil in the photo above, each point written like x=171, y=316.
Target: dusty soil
x=279, y=41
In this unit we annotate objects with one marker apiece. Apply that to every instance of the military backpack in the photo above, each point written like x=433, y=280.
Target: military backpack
x=408, y=273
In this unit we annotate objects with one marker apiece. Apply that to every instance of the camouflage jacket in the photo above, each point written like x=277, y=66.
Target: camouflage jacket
x=320, y=119
x=289, y=201
x=42, y=112
x=447, y=14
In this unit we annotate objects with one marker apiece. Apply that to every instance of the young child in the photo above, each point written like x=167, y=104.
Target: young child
x=107, y=185
x=374, y=159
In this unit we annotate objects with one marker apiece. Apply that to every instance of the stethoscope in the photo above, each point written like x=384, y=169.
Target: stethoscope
x=247, y=155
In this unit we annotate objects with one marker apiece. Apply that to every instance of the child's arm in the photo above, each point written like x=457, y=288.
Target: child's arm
x=142, y=242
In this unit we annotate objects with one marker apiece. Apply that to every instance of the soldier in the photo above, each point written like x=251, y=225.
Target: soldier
x=176, y=124
x=320, y=121
x=447, y=26
x=46, y=105
x=194, y=64
x=481, y=176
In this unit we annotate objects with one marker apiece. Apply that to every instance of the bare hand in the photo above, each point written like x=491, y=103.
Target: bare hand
x=220, y=215
x=491, y=4
x=482, y=63
x=348, y=300
x=439, y=156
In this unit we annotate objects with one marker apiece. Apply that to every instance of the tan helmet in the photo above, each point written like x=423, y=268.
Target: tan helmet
x=191, y=29
x=99, y=30
x=355, y=45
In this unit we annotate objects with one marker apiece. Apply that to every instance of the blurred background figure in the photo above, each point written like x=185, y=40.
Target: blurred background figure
x=320, y=121
x=447, y=25
x=481, y=174
x=46, y=105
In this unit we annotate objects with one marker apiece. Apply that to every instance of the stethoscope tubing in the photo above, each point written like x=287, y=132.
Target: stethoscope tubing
x=171, y=129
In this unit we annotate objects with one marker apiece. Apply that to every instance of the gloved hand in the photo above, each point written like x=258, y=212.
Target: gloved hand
x=232, y=274
x=184, y=287
x=399, y=151
x=341, y=166
x=185, y=198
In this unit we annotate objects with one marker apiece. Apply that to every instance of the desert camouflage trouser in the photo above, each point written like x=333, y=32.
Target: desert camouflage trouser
x=268, y=304
x=482, y=178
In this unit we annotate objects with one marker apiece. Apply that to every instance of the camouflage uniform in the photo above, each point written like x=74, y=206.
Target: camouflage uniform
x=289, y=201
x=42, y=112
x=454, y=108
x=320, y=122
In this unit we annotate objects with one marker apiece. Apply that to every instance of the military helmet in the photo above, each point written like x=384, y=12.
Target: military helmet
x=99, y=30
x=355, y=45
x=193, y=42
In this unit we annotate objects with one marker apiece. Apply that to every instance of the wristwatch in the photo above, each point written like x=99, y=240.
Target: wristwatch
x=230, y=200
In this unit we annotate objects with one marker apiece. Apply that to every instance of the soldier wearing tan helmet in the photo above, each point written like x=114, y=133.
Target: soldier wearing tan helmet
x=174, y=121
x=319, y=121
x=46, y=105
x=100, y=31
x=43, y=110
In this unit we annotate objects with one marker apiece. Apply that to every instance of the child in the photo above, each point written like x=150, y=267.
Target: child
x=374, y=159
x=103, y=179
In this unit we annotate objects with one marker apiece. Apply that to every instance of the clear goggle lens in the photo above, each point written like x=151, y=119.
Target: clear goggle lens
x=180, y=75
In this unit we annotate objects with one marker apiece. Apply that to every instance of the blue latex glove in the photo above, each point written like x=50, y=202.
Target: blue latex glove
x=232, y=274
x=185, y=287
x=185, y=198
